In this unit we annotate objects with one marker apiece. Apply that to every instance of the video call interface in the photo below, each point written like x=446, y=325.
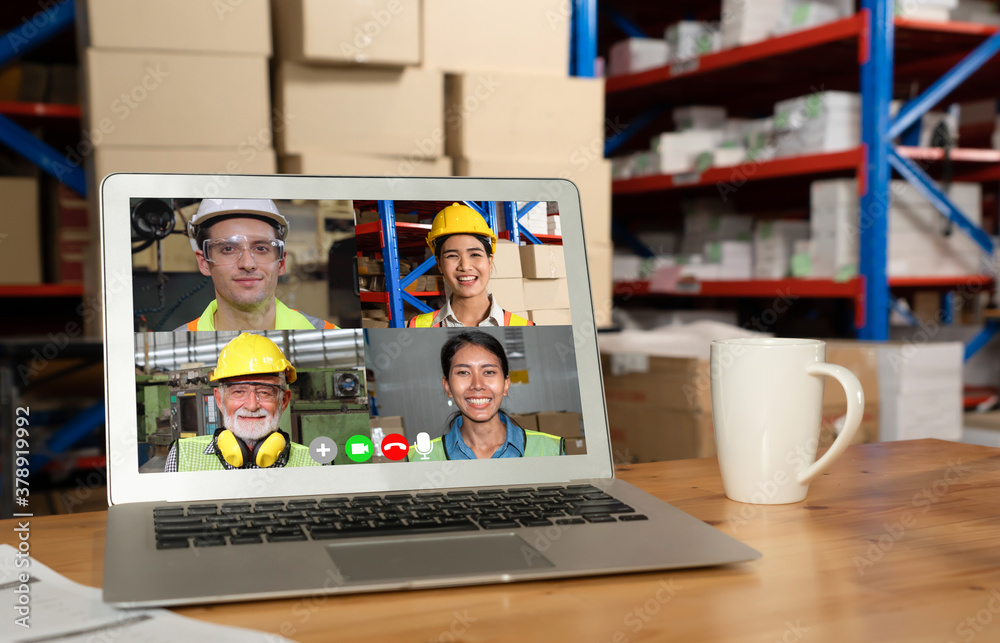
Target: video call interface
x=295, y=333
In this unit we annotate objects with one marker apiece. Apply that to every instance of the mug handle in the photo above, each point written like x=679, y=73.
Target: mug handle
x=855, y=412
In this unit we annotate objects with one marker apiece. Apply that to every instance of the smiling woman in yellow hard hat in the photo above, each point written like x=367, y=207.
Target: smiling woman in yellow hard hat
x=464, y=245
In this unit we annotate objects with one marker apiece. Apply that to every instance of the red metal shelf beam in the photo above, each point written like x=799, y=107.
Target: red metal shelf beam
x=383, y=298
x=841, y=30
x=813, y=164
x=42, y=290
x=39, y=110
x=749, y=171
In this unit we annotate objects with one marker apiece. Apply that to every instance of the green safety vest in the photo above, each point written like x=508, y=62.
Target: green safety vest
x=285, y=318
x=536, y=443
x=426, y=320
x=191, y=455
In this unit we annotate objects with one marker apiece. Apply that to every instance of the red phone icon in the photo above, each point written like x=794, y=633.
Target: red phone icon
x=395, y=446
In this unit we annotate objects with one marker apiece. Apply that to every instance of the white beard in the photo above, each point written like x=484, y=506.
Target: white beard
x=251, y=430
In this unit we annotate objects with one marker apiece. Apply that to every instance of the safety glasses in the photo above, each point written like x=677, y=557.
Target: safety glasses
x=231, y=249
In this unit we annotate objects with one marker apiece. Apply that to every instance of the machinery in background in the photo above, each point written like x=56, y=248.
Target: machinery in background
x=331, y=402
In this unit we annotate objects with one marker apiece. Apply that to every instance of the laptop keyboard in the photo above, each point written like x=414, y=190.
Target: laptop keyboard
x=241, y=523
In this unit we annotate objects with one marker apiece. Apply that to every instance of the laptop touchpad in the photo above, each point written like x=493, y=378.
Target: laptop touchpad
x=415, y=557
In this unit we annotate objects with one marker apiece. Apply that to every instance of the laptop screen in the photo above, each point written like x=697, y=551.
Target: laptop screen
x=289, y=333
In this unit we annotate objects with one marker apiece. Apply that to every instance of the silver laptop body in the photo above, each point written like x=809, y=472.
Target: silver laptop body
x=136, y=573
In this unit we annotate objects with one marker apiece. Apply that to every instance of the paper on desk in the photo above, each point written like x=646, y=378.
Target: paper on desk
x=67, y=611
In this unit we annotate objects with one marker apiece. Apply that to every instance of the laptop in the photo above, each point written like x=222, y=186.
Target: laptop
x=399, y=498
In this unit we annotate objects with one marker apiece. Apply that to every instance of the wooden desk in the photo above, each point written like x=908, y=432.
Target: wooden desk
x=898, y=542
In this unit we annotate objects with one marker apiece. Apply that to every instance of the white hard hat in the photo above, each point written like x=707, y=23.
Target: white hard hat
x=214, y=208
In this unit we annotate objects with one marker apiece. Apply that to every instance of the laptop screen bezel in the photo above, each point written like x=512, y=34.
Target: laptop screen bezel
x=127, y=485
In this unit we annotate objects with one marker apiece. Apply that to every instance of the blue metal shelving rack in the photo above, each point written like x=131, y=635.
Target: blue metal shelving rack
x=30, y=34
x=878, y=133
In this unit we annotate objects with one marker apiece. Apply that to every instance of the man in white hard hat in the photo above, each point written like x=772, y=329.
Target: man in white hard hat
x=240, y=244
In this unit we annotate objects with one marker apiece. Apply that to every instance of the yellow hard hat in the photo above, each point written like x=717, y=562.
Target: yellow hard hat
x=250, y=354
x=460, y=219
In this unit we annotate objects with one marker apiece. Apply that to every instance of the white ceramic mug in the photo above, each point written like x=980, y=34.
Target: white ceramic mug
x=767, y=401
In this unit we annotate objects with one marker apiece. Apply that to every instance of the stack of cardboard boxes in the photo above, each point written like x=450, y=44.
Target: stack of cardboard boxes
x=512, y=110
x=173, y=87
x=530, y=281
x=351, y=93
x=179, y=86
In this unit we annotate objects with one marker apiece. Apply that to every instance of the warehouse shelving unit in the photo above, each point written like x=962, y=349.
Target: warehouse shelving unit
x=388, y=236
x=886, y=56
x=33, y=32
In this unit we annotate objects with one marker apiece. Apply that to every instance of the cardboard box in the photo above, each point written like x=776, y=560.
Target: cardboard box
x=527, y=421
x=20, y=238
x=367, y=322
x=242, y=27
x=599, y=255
x=390, y=423
x=674, y=383
x=371, y=111
x=861, y=358
x=519, y=36
x=563, y=424
x=328, y=164
x=377, y=32
x=545, y=294
x=833, y=421
x=536, y=117
x=141, y=99
x=108, y=160
x=508, y=293
x=506, y=261
x=592, y=179
x=560, y=317
x=576, y=446
x=642, y=433
x=542, y=261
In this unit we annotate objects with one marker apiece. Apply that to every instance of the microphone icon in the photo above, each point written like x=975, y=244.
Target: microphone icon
x=423, y=445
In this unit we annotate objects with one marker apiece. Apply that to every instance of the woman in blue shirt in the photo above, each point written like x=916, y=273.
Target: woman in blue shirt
x=476, y=375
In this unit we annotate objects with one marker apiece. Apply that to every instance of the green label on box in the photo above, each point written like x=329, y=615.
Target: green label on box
x=846, y=273
x=801, y=265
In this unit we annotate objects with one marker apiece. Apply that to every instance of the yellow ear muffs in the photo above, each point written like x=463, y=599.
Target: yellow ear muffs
x=231, y=449
x=268, y=450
